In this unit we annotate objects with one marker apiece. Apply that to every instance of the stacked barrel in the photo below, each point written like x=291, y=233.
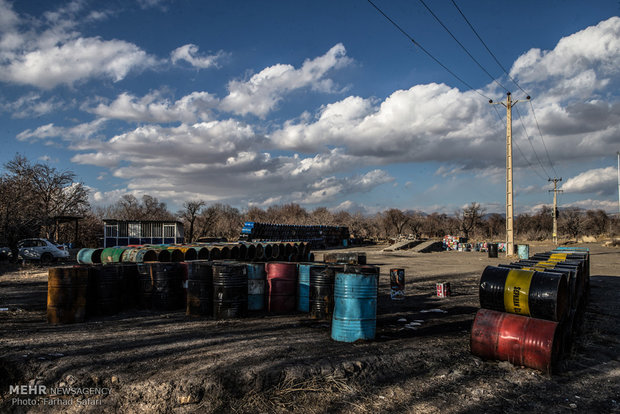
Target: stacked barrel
x=343, y=291
x=530, y=308
x=291, y=251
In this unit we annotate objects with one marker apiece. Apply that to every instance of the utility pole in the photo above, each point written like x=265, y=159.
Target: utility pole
x=555, y=207
x=618, y=183
x=510, y=237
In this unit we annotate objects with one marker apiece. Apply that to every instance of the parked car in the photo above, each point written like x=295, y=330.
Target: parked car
x=41, y=249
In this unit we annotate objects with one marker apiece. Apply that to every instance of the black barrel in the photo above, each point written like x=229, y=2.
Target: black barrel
x=230, y=290
x=161, y=285
x=199, y=288
x=105, y=289
x=322, y=290
x=541, y=295
x=128, y=274
x=492, y=249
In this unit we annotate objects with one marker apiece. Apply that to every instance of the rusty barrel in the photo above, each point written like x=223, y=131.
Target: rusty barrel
x=230, y=290
x=322, y=290
x=520, y=340
x=281, y=286
x=199, y=288
x=105, y=289
x=542, y=295
x=355, y=304
x=256, y=286
x=66, y=294
x=139, y=255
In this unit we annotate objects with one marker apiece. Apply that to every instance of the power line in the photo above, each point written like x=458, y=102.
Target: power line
x=513, y=81
x=462, y=47
x=531, y=145
x=426, y=51
x=487, y=48
x=501, y=120
x=543, y=140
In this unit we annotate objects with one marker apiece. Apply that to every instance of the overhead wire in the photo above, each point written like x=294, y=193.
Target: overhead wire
x=426, y=51
x=519, y=148
x=462, y=46
x=487, y=48
x=531, y=145
x=512, y=79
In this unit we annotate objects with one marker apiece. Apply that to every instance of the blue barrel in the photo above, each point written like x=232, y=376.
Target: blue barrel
x=523, y=250
x=303, y=286
x=256, y=286
x=355, y=306
x=89, y=256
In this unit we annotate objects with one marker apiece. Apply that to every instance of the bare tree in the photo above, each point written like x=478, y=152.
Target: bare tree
x=189, y=215
x=597, y=222
x=396, y=220
x=469, y=218
x=128, y=207
x=571, y=222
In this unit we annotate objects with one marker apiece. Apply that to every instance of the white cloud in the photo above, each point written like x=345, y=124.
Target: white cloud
x=189, y=53
x=32, y=105
x=610, y=206
x=75, y=60
x=81, y=132
x=579, y=64
x=152, y=108
x=601, y=181
x=262, y=92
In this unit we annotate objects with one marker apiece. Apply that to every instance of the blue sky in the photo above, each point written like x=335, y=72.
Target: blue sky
x=321, y=103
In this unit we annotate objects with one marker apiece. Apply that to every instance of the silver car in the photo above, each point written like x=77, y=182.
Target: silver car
x=41, y=249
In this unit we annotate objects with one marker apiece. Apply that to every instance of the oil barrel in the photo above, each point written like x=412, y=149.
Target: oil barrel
x=189, y=253
x=163, y=256
x=256, y=286
x=520, y=340
x=176, y=255
x=355, y=305
x=230, y=290
x=214, y=253
x=106, y=288
x=303, y=286
x=492, y=249
x=542, y=295
x=281, y=286
x=139, y=255
x=89, y=256
x=66, y=294
x=199, y=288
x=322, y=290
x=161, y=285
x=112, y=254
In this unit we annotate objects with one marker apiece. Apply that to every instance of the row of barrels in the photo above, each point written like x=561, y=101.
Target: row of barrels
x=344, y=294
x=531, y=309
x=289, y=251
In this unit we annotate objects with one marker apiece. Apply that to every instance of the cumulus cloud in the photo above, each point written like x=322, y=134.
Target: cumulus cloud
x=610, y=206
x=52, y=53
x=153, y=108
x=189, y=53
x=263, y=91
x=81, y=132
x=601, y=181
x=418, y=124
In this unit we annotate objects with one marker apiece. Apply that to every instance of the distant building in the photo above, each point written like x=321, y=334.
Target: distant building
x=127, y=232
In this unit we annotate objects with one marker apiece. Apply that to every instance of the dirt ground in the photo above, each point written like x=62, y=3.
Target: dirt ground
x=154, y=362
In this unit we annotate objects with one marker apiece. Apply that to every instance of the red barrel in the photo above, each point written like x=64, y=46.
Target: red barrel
x=520, y=340
x=282, y=286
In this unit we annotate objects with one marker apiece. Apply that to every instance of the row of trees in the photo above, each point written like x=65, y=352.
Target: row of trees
x=32, y=195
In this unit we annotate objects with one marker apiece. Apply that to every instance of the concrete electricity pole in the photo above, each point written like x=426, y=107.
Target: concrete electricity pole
x=555, y=208
x=510, y=238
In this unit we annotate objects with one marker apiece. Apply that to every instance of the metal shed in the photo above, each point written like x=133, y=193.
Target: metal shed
x=128, y=232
